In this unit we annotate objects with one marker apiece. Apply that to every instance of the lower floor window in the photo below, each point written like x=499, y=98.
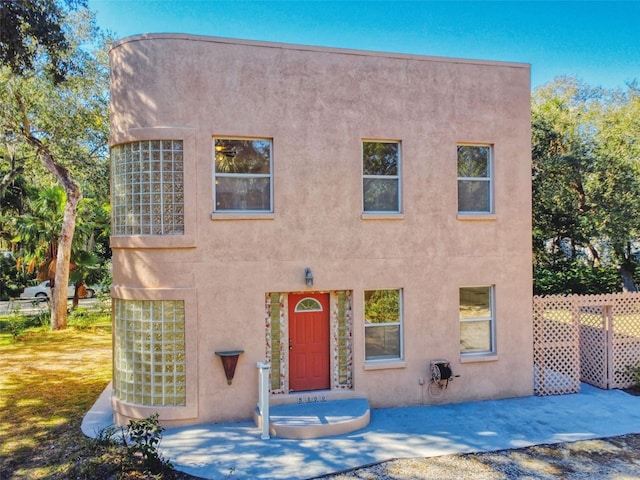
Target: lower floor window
x=477, y=320
x=383, y=324
x=149, y=352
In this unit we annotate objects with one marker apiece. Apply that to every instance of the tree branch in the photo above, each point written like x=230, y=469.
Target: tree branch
x=62, y=174
x=9, y=178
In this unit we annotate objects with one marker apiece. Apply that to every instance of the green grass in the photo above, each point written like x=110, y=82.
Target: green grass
x=48, y=382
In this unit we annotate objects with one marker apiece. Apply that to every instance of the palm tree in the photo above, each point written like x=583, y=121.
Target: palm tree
x=37, y=233
x=38, y=236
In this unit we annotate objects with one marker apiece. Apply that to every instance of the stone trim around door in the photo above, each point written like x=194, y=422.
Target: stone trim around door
x=341, y=338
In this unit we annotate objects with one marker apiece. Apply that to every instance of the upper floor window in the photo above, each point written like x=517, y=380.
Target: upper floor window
x=383, y=324
x=381, y=177
x=148, y=188
x=475, y=179
x=477, y=320
x=242, y=175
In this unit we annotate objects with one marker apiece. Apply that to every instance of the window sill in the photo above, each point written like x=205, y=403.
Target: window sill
x=384, y=364
x=477, y=217
x=130, y=410
x=152, y=241
x=242, y=216
x=480, y=357
x=383, y=216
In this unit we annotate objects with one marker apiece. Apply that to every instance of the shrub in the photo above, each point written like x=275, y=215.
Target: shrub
x=574, y=276
x=634, y=372
x=17, y=324
x=11, y=279
x=80, y=319
x=134, y=449
x=142, y=438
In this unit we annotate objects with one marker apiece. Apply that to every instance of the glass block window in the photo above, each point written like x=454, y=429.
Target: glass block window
x=149, y=352
x=476, y=320
x=383, y=324
x=381, y=176
x=148, y=188
x=474, y=179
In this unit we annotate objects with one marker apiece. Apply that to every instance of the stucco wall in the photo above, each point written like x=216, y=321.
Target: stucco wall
x=317, y=105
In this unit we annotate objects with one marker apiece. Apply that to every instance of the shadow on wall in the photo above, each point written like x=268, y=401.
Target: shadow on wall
x=130, y=67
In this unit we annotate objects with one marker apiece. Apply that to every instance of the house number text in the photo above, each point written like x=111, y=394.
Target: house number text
x=313, y=399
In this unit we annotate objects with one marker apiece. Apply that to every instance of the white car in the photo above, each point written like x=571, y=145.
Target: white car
x=42, y=291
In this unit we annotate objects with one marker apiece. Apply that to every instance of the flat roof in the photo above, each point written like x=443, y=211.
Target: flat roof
x=310, y=48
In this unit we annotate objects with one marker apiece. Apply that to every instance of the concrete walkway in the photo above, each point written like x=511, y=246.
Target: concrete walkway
x=235, y=451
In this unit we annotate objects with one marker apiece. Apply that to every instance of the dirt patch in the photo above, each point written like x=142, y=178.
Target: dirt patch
x=612, y=458
x=633, y=391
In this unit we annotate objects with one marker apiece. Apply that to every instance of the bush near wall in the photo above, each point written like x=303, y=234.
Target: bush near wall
x=575, y=277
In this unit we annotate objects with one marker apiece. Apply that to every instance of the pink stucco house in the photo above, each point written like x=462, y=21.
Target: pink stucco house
x=345, y=216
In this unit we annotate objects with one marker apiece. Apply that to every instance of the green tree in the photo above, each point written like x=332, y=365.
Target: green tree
x=32, y=29
x=38, y=234
x=63, y=123
x=13, y=190
x=616, y=183
x=586, y=186
x=38, y=231
x=562, y=162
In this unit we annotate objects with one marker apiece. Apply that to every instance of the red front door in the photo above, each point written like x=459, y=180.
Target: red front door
x=308, y=341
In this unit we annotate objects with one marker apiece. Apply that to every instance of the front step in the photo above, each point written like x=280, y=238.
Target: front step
x=314, y=420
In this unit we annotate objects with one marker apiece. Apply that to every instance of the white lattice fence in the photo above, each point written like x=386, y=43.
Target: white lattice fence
x=593, y=344
x=555, y=346
x=625, y=340
x=589, y=338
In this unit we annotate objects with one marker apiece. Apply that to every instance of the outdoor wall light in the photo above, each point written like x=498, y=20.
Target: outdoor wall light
x=229, y=361
x=308, y=277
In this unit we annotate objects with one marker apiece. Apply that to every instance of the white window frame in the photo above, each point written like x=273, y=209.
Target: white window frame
x=217, y=175
x=396, y=177
x=491, y=319
x=399, y=323
x=488, y=178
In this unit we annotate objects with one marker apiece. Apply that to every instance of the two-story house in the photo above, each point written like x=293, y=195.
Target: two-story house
x=345, y=216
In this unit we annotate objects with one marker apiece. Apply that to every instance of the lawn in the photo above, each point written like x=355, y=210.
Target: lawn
x=48, y=382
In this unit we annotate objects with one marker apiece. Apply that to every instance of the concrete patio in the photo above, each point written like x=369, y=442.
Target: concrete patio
x=236, y=451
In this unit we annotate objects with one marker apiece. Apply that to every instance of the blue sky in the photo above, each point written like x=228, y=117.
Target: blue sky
x=598, y=42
